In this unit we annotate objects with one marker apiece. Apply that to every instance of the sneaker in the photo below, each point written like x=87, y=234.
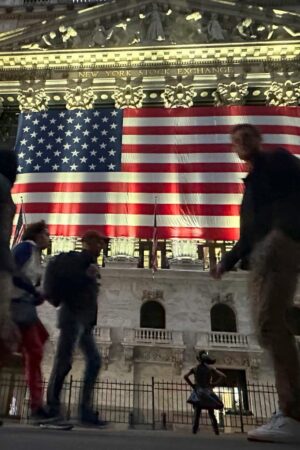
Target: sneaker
x=293, y=320
x=281, y=429
x=38, y=416
x=90, y=418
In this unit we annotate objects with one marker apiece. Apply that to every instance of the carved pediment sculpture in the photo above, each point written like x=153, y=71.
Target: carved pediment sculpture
x=33, y=97
x=147, y=23
x=80, y=95
x=232, y=93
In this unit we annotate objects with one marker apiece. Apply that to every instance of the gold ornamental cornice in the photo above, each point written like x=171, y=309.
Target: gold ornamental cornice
x=143, y=57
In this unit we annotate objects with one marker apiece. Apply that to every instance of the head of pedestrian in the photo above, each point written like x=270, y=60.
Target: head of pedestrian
x=37, y=232
x=246, y=141
x=204, y=358
x=94, y=242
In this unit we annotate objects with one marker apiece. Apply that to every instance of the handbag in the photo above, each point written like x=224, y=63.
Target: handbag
x=23, y=310
x=205, y=398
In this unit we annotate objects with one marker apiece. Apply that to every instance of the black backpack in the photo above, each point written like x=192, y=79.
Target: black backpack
x=65, y=277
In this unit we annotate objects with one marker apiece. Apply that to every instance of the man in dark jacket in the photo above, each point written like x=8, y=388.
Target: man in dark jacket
x=77, y=282
x=270, y=243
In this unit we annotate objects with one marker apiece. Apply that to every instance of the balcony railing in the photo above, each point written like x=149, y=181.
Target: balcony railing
x=222, y=339
x=152, y=336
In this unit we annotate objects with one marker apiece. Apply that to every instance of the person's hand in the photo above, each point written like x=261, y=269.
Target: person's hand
x=217, y=271
x=92, y=271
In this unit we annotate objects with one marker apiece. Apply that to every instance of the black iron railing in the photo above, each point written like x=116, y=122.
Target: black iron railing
x=155, y=404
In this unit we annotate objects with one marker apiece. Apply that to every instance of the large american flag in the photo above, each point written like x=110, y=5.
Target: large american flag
x=102, y=169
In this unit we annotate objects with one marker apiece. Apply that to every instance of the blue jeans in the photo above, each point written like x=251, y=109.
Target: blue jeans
x=70, y=333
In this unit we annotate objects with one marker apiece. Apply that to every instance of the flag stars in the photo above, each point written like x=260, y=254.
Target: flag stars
x=96, y=114
x=59, y=140
x=37, y=167
x=93, y=153
x=112, y=139
x=55, y=167
x=94, y=139
x=73, y=167
x=41, y=141
x=67, y=146
x=86, y=133
x=105, y=119
x=39, y=153
x=62, y=114
x=92, y=166
x=114, y=113
x=43, y=128
x=23, y=142
x=69, y=133
x=113, y=126
x=44, y=115
x=65, y=159
x=53, y=120
x=35, y=122
x=96, y=126
x=31, y=147
x=103, y=145
x=87, y=119
x=60, y=127
x=70, y=120
x=84, y=146
x=102, y=159
x=79, y=113
x=33, y=135
x=51, y=133
x=19, y=169
x=104, y=132
x=21, y=155
x=111, y=166
x=57, y=153
x=28, y=116
x=48, y=146
x=26, y=129
x=78, y=126
x=47, y=160
x=76, y=139
x=29, y=161
x=75, y=153
x=112, y=152
x=83, y=159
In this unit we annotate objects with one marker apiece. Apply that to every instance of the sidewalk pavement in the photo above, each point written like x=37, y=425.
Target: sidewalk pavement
x=22, y=437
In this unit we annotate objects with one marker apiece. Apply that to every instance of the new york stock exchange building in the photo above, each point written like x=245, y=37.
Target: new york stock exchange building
x=120, y=112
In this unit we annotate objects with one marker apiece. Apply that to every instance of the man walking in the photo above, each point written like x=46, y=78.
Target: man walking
x=270, y=243
x=72, y=281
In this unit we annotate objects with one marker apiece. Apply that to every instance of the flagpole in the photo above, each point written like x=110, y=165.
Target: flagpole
x=23, y=210
x=154, y=241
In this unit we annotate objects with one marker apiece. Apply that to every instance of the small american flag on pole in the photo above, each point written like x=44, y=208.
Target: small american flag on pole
x=20, y=226
x=154, y=262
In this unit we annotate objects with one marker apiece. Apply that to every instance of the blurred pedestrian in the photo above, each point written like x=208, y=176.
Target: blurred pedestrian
x=203, y=397
x=269, y=245
x=72, y=282
x=26, y=297
x=8, y=172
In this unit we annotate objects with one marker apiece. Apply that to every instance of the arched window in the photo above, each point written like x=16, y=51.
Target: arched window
x=222, y=318
x=152, y=315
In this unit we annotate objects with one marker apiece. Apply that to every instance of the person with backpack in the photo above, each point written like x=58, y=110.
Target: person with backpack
x=72, y=283
x=269, y=245
x=26, y=297
x=203, y=397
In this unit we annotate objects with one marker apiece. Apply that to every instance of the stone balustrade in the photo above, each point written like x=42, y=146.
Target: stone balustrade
x=152, y=336
x=223, y=339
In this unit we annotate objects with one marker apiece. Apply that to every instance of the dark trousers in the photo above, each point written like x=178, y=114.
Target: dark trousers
x=197, y=414
x=70, y=333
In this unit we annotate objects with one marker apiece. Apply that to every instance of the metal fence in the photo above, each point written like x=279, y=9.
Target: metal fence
x=155, y=404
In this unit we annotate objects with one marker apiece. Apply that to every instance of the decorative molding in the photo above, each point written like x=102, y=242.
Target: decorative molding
x=33, y=99
x=285, y=93
x=227, y=298
x=156, y=295
x=129, y=93
x=179, y=92
x=233, y=93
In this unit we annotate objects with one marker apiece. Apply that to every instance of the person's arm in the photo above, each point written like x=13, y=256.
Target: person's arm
x=239, y=251
x=187, y=378
x=217, y=375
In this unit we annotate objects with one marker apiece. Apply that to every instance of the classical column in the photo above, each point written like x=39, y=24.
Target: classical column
x=122, y=253
x=185, y=254
x=80, y=95
x=33, y=97
x=129, y=93
x=179, y=92
x=230, y=92
x=285, y=93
